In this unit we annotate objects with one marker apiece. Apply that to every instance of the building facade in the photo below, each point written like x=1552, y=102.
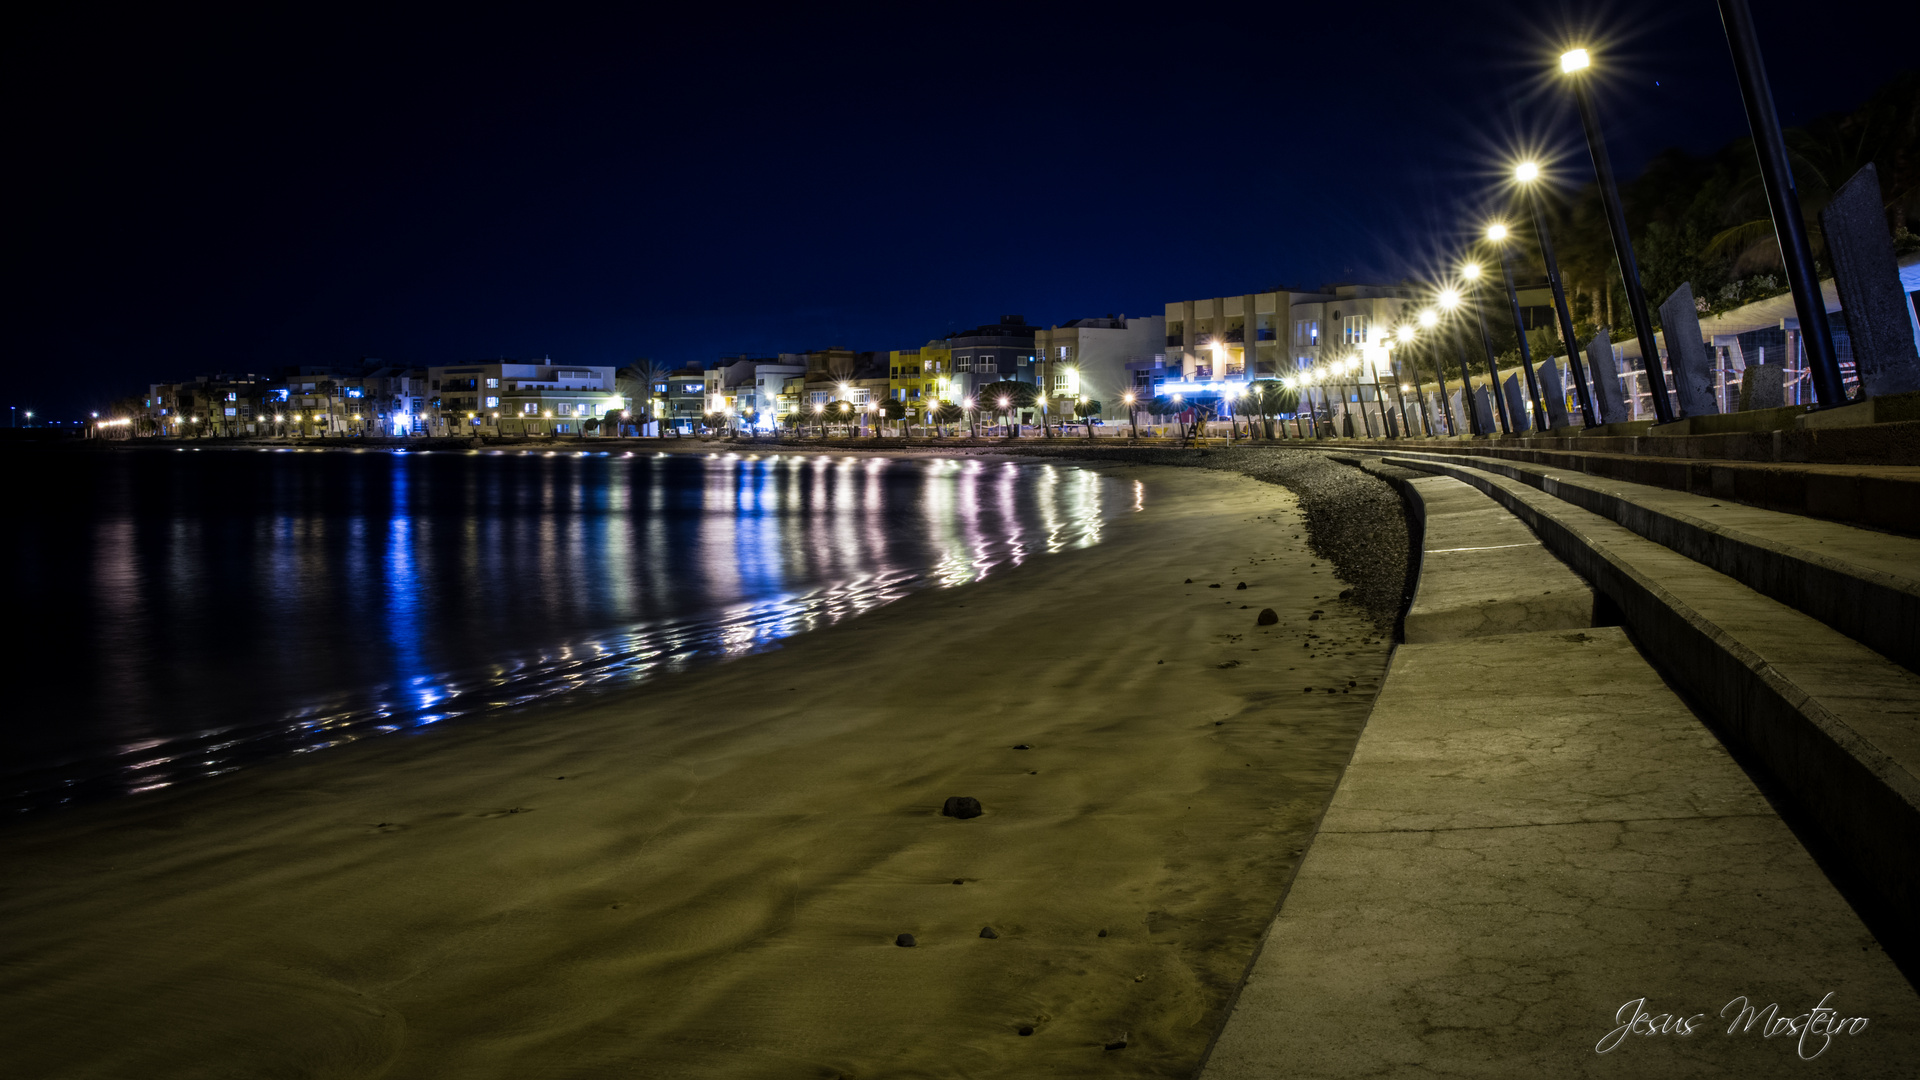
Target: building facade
x=532, y=399
x=1096, y=359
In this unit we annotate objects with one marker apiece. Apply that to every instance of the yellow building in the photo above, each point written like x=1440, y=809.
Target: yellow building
x=916, y=376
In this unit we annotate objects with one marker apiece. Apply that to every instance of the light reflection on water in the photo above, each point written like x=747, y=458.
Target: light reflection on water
x=219, y=608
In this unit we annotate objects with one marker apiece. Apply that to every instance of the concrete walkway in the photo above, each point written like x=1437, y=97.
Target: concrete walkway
x=1537, y=842
x=1534, y=833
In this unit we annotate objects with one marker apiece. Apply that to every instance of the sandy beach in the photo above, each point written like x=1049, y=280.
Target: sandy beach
x=706, y=877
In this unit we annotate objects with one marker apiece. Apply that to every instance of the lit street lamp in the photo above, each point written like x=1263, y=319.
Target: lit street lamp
x=1497, y=236
x=1450, y=300
x=1471, y=271
x=1573, y=64
x=1527, y=174
x=1783, y=201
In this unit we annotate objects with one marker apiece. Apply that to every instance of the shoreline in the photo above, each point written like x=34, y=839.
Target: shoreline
x=715, y=888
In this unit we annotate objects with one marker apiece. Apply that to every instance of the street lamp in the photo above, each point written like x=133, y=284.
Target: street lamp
x=1430, y=319
x=1573, y=63
x=1526, y=173
x=1471, y=271
x=1497, y=236
x=1783, y=201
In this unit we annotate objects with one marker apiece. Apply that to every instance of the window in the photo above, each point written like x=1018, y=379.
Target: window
x=963, y=363
x=232, y=396
x=1066, y=352
x=493, y=384
x=493, y=403
x=1354, y=330
x=529, y=408
x=1306, y=332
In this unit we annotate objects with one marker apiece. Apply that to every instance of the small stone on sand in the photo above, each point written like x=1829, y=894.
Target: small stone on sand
x=905, y=941
x=987, y=932
x=1267, y=617
x=1242, y=585
x=1026, y=1029
x=1103, y=933
x=961, y=806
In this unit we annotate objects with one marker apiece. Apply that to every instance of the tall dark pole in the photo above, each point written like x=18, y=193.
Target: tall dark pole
x=1783, y=200
x=1520, y=331
x=1622, y=249
x=1493, y=366
x=1440, y=373
x=1466, y=386
x=1560, y=308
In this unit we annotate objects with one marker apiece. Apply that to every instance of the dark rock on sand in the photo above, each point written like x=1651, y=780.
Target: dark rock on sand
x=1267, y=617
x=961, y=806
x=905, y=941
x=1240, y=586
x=987, y=932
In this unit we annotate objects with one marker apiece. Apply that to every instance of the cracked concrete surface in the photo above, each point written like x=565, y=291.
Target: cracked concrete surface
x=1534, y=833
x=1482, y=571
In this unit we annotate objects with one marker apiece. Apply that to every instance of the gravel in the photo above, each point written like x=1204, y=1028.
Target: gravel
x=1355, y=521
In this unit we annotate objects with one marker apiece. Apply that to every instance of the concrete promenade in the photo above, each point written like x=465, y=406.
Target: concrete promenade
x=1536, y=841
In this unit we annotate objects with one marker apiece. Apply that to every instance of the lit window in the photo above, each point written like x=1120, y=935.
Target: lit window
x=493, y=403
x=493, y=384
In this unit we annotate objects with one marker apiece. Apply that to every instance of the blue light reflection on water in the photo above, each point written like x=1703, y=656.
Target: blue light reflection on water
x=237, y=606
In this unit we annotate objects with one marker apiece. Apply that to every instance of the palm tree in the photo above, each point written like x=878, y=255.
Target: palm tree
x=893, y=410
x=1008, y=398
x=1271, y=397
x=636, y=383
x=946, y=413
x=1086, y=409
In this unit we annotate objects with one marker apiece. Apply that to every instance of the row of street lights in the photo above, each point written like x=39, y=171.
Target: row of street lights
x=1783, y=202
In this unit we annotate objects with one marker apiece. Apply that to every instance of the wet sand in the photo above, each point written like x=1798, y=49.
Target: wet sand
x=706, y=877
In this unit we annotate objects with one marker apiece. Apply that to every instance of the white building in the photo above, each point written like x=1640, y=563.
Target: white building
x=540, y=398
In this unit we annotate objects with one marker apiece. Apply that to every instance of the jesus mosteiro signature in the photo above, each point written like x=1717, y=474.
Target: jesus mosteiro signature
x=1820, y=1022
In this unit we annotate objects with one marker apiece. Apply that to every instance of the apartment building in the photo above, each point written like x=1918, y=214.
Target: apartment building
x=539, y=398
x=995, y=352
x=1096, y=358
x=1267, y=335
x=916, y=377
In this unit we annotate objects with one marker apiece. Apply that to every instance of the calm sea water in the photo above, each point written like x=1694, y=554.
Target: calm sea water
x=181, y=613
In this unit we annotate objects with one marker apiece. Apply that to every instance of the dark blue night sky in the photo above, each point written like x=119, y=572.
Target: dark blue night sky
x=197, y=192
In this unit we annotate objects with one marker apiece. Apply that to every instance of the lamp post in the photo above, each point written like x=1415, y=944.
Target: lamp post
x=1471, y=271
x=1572, y=64
x=1497, y=236
x=1526, y=174
x=1407, y=335
x=1450, y=300
x=1430, y=319
x=1783, y=201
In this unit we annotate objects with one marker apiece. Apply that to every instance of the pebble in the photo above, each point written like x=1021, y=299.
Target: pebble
x=905, y=941
x=1267, y=617
x=961, y=806
x=987, y=932
x=1240, y=586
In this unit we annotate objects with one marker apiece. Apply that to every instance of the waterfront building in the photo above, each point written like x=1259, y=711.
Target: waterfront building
x=1098, y=359
x=752, y=388
x=1271, y=334
x=686, y=398
x=995, y=352
x=538, y=398
x=920, y=378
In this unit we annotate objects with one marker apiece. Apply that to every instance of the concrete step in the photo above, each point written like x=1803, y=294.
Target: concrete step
x=1535, y=834
x=1834, y=721
x=1867, y=493
x=1864, y=583
x=1482, y=571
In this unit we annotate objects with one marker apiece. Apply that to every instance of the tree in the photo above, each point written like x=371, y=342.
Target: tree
x=946, y=413
x=591, y=425
x=1086, y=409
x=1269, y=398
x=637, y=383
x=893, y=410
x=1008, y=398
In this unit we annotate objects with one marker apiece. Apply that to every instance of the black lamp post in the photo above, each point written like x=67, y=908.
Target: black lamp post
x=1527, y=173
x=1497, y=234
x=1486, y=341
x=1783, y=200
x=1573, y=63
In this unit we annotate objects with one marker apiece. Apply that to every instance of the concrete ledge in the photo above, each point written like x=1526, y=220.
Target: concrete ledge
x=1836, y=723
x=1482, y=571
x=1864, y=584
x=1534, y=832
